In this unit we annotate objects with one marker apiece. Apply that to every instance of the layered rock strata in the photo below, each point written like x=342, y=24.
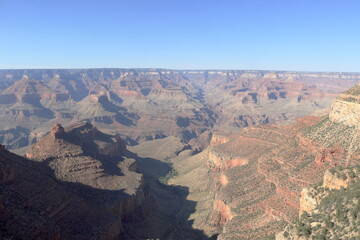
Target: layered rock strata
x=35, y=205
x=78, y=186
x=258, y=175
x=145, y=104
x=328, y=210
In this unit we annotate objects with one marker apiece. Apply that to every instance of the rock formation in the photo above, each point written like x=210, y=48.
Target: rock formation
x=82, y=154
x=35, y=205
x=259, y=176
x=328, y=211
x=246, y=184
x=78, y=186
x=150, y=104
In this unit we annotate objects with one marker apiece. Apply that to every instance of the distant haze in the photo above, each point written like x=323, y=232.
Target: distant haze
x=203, y=34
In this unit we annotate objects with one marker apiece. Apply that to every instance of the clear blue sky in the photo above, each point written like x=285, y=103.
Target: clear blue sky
x=316, y=35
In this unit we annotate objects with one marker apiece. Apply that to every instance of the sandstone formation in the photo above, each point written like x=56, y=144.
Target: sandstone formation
x=78, y=186
x=308, y=202
x=82, y=154
x=332, y=180
x=35, y=205
x=346, y=108
x=328, y=211
x=145, y=104
x=259, y=176
x=246, y=184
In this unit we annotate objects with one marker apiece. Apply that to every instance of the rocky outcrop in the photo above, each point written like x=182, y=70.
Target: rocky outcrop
x=308, y=201
x=332, y=181
x=146, y=104
x=345, y=112
x=57, y=131
x=324, y=208
x=272, y=188
x=34, y=205
x=80, y=154
x=218, y=139
x=218, y=162
x=221, y=214
x=346, y=108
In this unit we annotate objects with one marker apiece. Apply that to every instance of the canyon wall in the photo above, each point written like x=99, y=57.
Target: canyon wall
x=260, y=196
x=328, y=210
x=146, y=104
x=78, y=186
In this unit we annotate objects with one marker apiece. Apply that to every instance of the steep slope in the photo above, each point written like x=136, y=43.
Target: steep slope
x=169, y=218
x=252, y=195
x=141, y=104
x=145, y=104
x=329, y=210
x=21, y=102
x=241, y=101
x=34, y=205
x=80, y=155
x=257, y=175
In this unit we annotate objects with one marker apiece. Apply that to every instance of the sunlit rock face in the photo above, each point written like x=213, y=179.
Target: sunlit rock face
x=346, y=108
x=273, y=186
x=146, y=104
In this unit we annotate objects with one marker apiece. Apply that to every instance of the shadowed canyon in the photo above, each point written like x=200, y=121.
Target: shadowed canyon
x=171, y=154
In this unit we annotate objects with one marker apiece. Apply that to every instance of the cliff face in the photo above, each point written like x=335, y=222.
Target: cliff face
x=82, y=154
x=308, y=201
x=247, y=185
x=288, y=159
x=155, y=103
x=91, y=179
x=328, y=211
x=34, y=205
x=258, y=197
x=332, y=180
x=346, y=108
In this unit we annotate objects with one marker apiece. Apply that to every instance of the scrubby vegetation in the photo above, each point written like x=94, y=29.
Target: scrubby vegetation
x=330, y=133
x=165, y=179
x=351, y=99
x=353, y=91
x=336, y=217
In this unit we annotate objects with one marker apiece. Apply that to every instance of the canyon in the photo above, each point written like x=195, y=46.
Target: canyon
x=169, y=154
x=146, y=104
x=255, y=180
x=77, y=186
x=79, y=183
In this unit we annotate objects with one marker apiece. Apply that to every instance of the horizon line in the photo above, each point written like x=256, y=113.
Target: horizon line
x=174, y=69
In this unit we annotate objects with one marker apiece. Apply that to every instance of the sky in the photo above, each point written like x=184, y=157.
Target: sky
x=299, y=35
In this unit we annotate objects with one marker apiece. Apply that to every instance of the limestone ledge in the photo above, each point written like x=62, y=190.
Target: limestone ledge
x=345, y=112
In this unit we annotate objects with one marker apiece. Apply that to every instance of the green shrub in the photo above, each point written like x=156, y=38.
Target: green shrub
x=164, y=180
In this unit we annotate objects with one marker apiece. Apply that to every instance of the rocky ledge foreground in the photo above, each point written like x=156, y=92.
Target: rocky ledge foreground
x=328, y=210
